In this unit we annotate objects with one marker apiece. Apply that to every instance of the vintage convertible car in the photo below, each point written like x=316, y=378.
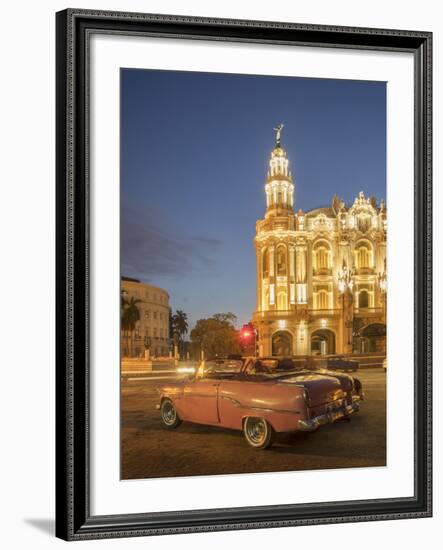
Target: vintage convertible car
x=261, y=397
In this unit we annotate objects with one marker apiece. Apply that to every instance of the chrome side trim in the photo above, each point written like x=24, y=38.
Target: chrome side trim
x=213, y=396
x=282, y=411
x=237, y=403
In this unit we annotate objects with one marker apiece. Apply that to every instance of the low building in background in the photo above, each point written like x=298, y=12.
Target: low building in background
x=150, y=333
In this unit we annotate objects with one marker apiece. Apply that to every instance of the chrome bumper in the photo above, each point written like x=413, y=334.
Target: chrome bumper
x=329, y=417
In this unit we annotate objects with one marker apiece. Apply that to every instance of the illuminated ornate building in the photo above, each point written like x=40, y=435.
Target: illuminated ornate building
x=321, y=275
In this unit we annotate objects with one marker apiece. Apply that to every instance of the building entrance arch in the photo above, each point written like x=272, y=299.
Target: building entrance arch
x=323, y=342
x=282, y=343
x=373, y=338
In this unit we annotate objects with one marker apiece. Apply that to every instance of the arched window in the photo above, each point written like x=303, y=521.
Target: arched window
x=364, y=256
x=281, y=260
x=363, y=299
x=282, y=301
x=265, y=264
x=322, y=256
x=322, y=300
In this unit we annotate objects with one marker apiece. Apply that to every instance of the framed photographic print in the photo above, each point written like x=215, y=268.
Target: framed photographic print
x=243, y=274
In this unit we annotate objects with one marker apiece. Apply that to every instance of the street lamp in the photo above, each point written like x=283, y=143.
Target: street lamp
x=382, y=283
x=382, y=278
x=345, y=278
x=345, y=283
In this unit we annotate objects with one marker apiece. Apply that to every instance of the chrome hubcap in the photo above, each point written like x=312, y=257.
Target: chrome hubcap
x=256, y=431
x=168, y=413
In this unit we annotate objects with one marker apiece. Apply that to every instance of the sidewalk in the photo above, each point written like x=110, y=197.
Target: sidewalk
x=136, y=366
x=133, y=367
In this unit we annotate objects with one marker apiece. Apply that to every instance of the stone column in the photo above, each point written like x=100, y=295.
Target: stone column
x=272, y=293
x=288, y=276
x=303, y=264
x=271, y=261
x=298, y=264
x=259, y=278
x=291, y=278
x=265, y=344
x=291, y=261
x=301, y=272
x=302, y=338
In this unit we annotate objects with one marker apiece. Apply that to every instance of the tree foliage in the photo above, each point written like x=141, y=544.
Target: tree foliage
x=216, y=336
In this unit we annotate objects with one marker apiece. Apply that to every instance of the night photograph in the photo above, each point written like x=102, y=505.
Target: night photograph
x=253, y=273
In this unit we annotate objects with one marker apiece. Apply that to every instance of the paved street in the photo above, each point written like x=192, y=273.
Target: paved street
x=150, y=450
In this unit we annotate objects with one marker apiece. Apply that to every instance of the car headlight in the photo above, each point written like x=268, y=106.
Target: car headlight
x=306, y=397
x=186, y=370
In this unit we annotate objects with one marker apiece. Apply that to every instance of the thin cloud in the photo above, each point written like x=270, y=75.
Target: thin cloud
x=150, y=249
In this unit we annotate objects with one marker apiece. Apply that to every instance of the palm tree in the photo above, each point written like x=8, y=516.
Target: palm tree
x=179, y=326
x=130, y=314
x=123, y=321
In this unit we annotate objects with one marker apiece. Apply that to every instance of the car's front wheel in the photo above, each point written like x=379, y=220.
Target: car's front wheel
x=258, y=433
x=169, y=414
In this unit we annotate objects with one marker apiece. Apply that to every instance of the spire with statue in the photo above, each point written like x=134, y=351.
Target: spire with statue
x=278, y=130
x=279, y=186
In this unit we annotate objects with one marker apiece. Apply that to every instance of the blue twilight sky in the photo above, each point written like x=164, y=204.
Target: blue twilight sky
x=194, y=156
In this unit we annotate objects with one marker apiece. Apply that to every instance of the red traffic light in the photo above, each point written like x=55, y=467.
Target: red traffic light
x=246, y=332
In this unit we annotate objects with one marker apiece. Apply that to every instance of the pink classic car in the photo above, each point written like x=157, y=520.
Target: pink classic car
x=260, y=396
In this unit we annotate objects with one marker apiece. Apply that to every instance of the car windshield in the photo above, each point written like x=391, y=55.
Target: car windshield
x=272, y=368
x=223, y=366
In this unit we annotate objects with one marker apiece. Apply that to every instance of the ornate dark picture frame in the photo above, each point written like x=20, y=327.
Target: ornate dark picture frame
x=73, y=518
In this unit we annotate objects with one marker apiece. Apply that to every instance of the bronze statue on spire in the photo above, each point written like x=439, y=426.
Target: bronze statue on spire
x=278, y=132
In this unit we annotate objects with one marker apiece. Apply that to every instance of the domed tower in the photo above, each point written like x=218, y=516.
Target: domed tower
x=279, y=187
x=280, y=267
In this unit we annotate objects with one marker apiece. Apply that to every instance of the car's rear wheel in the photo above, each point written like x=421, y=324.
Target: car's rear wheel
x=258, y=433
x=169, y=414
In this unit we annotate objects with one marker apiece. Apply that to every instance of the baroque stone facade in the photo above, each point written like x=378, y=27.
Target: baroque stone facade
x=321, y=274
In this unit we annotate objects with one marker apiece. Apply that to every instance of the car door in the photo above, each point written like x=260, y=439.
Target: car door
x=200, y=401
x=243, y=395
